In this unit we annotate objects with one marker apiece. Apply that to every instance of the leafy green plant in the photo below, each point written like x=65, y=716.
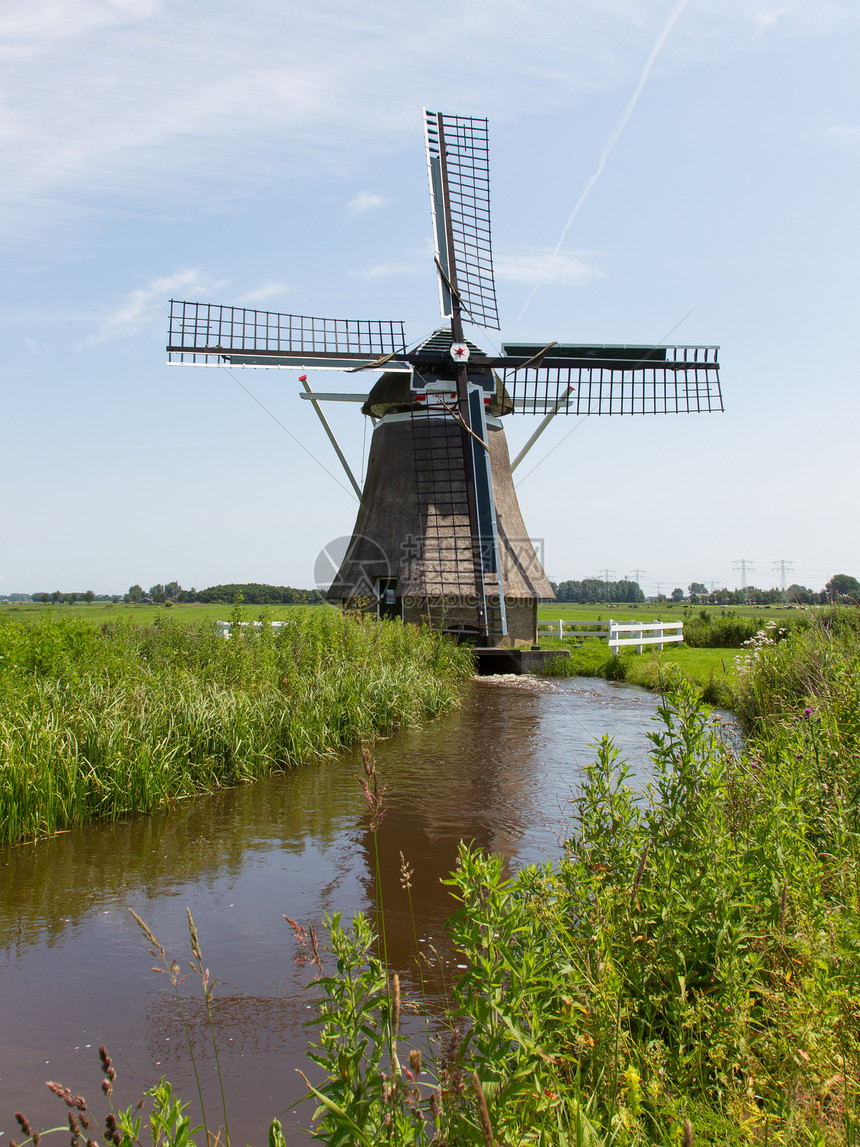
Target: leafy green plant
x=692, y=957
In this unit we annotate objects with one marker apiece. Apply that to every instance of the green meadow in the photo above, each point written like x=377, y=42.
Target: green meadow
x=106, y=611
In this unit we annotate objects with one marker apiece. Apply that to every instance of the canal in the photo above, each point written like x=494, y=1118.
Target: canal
x=74, y=968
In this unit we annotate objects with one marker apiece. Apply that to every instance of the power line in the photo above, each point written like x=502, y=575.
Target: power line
x=782, y=565
x=742, y=565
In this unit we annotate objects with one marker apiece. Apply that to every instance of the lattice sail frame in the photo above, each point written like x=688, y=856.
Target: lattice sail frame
x=459, y=174
x=687, y=382
x=210, y=334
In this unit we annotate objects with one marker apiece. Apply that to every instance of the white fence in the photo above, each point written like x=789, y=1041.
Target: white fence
x=615, y=633
x=227, y=626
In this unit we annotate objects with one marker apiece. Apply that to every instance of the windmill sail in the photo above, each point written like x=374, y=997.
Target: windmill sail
x=459, y=174
x=612, y=379
x=209, y=334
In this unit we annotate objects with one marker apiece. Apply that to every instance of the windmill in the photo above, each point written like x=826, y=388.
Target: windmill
x=439, y=536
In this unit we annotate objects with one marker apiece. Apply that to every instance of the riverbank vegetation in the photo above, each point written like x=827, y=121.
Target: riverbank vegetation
x=687, y=972
x=123, y=718
x=689, y=969
x=711, y=672
x=715, y=643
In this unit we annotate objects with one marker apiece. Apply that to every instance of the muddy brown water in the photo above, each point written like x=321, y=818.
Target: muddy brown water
x=74, y=967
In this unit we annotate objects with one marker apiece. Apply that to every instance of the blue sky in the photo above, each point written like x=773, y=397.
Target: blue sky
x=271, y=154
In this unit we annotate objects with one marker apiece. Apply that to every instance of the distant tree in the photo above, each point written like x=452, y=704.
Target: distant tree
x=772, y=596
x=843, y=585
x=698, y=588
x=801, y=595
x=172, y=590
x=89, y=596
x=255, y=594
x=135, y=593
x=628, y=591
x=677, y=594
x=748, y=595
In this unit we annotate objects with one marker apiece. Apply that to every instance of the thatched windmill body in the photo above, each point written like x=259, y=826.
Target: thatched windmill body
x=439, y=536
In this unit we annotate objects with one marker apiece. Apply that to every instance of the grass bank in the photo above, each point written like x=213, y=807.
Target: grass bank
x=715, y=647
x=124, y=718
x=713, y=673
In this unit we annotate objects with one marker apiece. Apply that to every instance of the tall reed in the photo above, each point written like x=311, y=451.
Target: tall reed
x=104, y=723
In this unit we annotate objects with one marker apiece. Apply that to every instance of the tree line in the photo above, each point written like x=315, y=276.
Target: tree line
x=253, y=593
x=592, y=589
x=840, y=588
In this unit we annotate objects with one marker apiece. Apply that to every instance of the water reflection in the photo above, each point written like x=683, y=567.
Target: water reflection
x=73, y=965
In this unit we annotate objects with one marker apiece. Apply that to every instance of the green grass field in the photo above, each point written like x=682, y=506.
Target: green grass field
x=713, y=672
x=102, y=611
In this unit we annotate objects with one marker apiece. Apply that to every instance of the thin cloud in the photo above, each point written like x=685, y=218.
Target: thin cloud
x=364, y=201
x=842, y=135
x=146, y=305
x=263, y=292
x=546, y=269
x=391, y=269
x=107, y=98
x=766, y=17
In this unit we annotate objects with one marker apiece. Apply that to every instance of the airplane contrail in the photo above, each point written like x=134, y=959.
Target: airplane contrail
x=614, y=135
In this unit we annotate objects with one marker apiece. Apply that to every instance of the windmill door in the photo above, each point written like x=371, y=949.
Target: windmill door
x=390, y=603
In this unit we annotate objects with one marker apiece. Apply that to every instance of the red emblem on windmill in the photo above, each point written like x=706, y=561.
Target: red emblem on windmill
x=459, y=352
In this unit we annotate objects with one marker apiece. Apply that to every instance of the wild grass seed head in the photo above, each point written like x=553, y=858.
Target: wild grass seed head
x=299, y=930
x=484, y=1112
x=24, y=1124
x=373, y=791
x=66, y=1095
x=315, y=946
